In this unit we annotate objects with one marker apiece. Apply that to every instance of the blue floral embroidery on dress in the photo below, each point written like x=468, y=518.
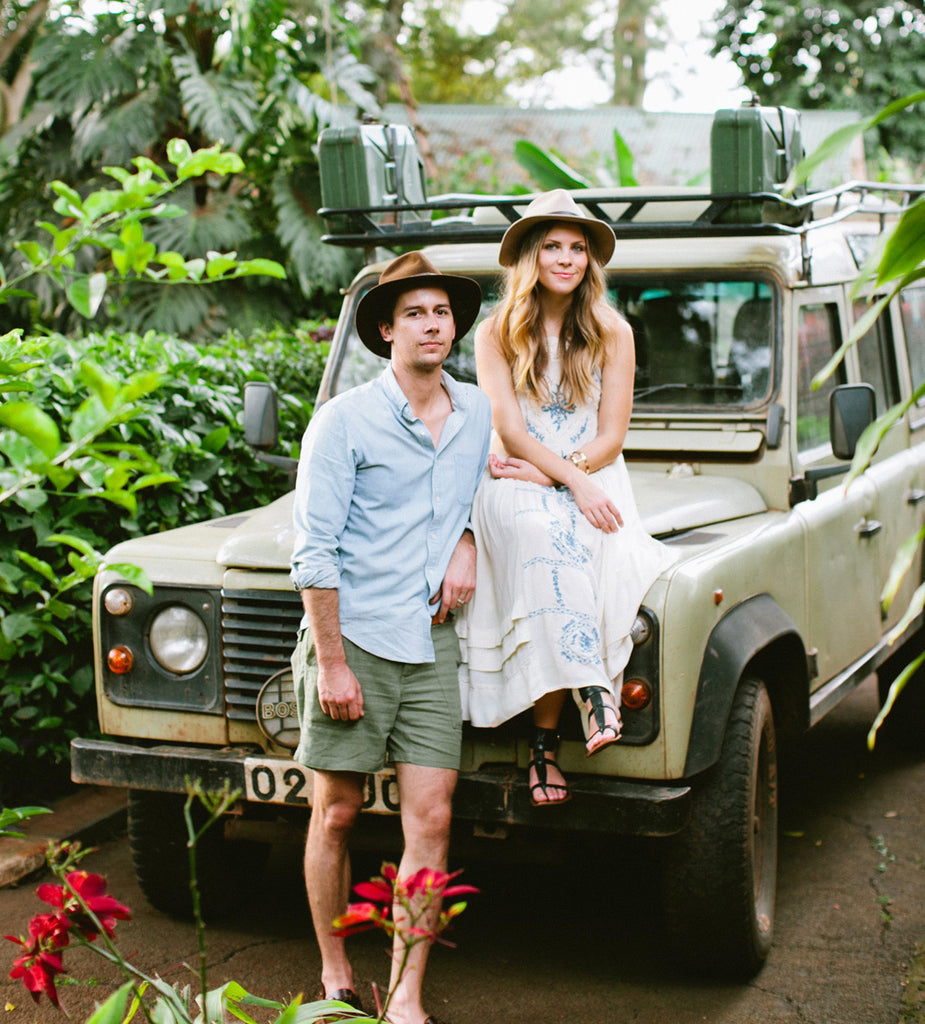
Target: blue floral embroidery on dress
x=581, y=642
x=558, y=413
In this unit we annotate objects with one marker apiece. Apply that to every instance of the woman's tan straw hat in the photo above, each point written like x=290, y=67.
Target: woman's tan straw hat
x=557, y=205
x=404, y=274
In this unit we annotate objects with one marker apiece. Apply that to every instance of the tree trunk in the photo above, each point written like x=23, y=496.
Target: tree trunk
x=630, y=45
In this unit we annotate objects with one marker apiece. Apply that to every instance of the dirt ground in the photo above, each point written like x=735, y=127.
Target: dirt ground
x=574, y=934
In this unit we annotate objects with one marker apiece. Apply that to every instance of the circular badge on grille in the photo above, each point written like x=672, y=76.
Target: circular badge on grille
x=277, y=714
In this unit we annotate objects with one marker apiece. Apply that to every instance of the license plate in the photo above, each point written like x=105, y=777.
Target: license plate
x=277, y=780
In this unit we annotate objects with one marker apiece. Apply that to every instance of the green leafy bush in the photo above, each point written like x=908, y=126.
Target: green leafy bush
x=185, y=438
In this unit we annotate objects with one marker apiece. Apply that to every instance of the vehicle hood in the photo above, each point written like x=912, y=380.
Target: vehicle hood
x=669, y=504
x=679, y=500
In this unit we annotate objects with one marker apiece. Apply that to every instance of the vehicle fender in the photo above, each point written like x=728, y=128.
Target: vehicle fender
x=756, y=630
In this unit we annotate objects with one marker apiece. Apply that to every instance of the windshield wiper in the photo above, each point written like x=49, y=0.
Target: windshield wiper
x=644, y=392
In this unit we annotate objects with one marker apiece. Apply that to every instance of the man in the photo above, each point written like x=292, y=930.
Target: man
x=382, y=556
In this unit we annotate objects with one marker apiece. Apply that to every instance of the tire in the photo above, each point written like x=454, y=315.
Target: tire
x=157, y=838
x=720, y=873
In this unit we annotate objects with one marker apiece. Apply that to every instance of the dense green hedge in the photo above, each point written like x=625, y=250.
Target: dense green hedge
x=192, y=425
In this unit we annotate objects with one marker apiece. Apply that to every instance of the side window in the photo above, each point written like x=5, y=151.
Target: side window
x=818, y=339
x=912, y=313
x=877, y=358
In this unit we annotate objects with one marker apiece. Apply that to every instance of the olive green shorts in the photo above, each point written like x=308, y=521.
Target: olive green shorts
x=411, y=713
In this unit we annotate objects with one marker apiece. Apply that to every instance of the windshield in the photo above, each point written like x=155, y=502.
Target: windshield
x=700, y=342
x=706, y=342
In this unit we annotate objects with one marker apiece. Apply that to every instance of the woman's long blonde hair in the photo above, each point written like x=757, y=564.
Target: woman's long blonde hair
x=519, y=325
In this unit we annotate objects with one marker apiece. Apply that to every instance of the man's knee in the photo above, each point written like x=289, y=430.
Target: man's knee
x=336, y=804
x=429, y=822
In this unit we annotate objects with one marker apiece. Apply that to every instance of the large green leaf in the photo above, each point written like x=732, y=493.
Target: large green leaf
x=86, y=293
x=841, y=138
x=904, y=251
x=547, y=169
x=33, y=423
x=627, y=175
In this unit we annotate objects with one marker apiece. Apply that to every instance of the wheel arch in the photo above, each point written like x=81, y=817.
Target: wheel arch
x=756, y=636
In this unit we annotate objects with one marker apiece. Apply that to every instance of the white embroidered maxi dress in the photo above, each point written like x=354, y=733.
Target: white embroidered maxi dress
x=555, y=597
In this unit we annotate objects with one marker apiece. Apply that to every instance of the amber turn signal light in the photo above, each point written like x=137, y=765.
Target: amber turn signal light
x=120, y=660
x=635, y=694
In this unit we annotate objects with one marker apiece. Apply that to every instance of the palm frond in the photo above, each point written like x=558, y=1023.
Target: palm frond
x=221, y=225
x=316, y=267
x=174, y=310
x=116, y=135
x=77, y=71
x=222, y=107
x=351, y=77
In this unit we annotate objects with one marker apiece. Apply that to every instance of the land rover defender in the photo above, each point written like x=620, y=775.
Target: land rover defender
x=769, y=616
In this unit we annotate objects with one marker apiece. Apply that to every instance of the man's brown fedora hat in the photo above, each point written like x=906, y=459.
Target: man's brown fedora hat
x=404, y=274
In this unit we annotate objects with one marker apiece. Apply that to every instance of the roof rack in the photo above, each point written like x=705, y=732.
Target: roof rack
x=632, y=213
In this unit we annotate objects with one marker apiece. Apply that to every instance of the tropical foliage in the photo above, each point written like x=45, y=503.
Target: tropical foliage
x=843, y=54
x=144, y=435
x=111, y=81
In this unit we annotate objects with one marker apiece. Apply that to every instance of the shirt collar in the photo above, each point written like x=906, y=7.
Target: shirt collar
x=402, y=406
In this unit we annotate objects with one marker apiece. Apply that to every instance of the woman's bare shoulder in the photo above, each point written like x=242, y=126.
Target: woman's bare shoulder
x=487, y=331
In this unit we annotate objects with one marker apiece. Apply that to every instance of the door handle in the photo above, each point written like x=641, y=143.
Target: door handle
x=869, y=528
x=915, y=496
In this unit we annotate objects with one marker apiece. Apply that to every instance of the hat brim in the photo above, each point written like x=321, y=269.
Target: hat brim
x=464, y=294
x=600, y=235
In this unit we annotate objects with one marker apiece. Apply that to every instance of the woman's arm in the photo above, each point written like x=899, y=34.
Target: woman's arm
x=495, y=379
x=494, y=376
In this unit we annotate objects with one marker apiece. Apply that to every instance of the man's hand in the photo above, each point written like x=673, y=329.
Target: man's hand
x=459, y=582
x=339, y=693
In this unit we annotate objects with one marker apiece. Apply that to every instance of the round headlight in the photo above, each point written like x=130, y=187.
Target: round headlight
x=179, y=639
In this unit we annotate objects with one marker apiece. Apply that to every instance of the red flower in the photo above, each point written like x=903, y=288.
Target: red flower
x=427, y=880
x=37, y=968
x=376, y=889
x=91, y=889
x=51, y=930
x=360, y=917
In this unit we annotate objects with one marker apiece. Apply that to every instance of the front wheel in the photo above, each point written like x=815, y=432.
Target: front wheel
x=158, y=837
x=720, y=873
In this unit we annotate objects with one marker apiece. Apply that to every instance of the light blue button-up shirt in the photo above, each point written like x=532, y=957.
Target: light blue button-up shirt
x=378, y=510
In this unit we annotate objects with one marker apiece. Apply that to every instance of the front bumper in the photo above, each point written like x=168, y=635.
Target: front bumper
x=491, y=796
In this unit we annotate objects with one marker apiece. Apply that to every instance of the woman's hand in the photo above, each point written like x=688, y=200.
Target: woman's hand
x=594, y=504
x=517, y=469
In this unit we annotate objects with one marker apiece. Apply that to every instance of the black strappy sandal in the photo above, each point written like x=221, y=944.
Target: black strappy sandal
x=597, y=715
x=545, y=741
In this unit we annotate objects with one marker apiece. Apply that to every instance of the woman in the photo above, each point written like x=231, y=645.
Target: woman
x=563, y=560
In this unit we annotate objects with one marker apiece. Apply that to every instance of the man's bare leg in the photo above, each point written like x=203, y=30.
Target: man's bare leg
x=425, y=795
x=337, y=799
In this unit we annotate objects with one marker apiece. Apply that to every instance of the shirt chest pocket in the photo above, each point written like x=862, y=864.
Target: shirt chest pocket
x=467, y=466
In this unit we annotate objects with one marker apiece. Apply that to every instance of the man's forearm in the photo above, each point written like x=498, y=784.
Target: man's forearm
x=323, y=609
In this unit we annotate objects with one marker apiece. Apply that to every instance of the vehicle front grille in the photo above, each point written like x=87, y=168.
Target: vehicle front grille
x=259, y=630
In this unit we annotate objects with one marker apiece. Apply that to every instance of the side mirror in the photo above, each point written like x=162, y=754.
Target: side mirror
x=261, y=415
x=852, y=408
x=261, y=425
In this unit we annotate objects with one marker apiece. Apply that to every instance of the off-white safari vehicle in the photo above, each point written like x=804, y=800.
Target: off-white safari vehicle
x=769, y=616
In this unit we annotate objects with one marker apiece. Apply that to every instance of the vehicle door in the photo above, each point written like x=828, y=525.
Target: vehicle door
x=842, y=526
x=897, y=470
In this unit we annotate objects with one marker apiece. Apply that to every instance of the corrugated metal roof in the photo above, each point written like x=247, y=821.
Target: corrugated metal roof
x=473, y=146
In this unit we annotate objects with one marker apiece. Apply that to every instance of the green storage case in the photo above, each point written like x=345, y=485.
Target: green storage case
x=370, y=165
x=754, y=149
